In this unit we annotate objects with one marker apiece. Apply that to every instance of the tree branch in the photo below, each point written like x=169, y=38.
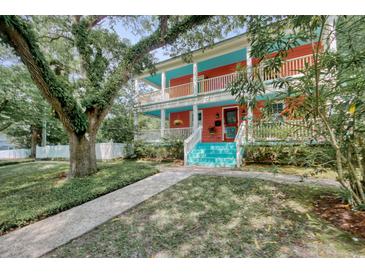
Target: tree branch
x=136, y=53
x=96, y=20
x=54, y=38
x=19, y=35
x=163, y=24
x=3, y=127
x=77, y=18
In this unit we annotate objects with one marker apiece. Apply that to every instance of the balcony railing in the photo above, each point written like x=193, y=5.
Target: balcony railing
x=291, y=67
x=216, y=83
x=150, y=97
x=179, y=91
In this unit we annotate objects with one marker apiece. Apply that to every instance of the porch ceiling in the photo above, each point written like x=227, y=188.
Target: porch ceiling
x=157, y=113
x=218, y=61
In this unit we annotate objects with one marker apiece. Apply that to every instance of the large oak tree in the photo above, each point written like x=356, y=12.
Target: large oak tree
x=82, y=98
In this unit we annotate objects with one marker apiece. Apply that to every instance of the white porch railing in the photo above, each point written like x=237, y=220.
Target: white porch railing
x=240, y=141
x=289, y=67
x=155, y=135
x=178, y=133
x=289, y=131
x=150, y=97
x=190, y=142
x=179, y=91
x=216, y=83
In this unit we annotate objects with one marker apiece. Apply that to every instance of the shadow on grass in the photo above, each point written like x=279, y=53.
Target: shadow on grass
x=207, y=216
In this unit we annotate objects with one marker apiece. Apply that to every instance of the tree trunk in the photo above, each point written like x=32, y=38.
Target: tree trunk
x=82, y=155
x=33, y=141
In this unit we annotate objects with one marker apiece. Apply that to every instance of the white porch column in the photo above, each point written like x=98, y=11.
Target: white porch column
x=163, y=121
x=249, y=61
x=163, y=85
x=195, y=117
x=249, y=106
x=195, y=79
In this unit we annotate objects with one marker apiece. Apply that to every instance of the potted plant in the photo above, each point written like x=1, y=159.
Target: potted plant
x=178, y=122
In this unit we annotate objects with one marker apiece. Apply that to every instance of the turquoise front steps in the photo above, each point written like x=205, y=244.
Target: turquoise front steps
x=213, y=155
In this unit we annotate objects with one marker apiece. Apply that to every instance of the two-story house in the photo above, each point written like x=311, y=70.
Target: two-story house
x=191, y=100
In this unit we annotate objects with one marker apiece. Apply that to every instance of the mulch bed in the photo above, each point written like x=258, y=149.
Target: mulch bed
x=341, y=215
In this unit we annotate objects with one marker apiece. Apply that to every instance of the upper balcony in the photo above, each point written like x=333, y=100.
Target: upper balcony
x=207, y=86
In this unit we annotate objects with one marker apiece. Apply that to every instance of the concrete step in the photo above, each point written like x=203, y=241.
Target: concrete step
x=213, y=155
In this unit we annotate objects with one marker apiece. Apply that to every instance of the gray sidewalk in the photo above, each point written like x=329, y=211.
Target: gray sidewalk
x=41, y=237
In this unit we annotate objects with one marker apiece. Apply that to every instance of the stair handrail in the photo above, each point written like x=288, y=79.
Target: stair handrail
x=239, y=140
x=191, y=141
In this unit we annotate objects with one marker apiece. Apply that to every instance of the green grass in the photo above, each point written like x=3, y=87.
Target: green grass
x=291, y=170
x=32, y=191
x=208, y=216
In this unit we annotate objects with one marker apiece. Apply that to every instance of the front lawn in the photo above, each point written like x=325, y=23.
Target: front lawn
x=292, y=170
x=209, y=216
x=32, y=191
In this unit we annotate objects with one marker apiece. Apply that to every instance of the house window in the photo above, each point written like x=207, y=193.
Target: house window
x=200, y=118
x=277, y=108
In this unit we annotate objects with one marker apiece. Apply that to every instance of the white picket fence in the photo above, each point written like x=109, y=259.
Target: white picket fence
x=104, y=151
x=14, y=154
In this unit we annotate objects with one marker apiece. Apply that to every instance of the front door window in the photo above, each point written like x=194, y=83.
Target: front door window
x=230, y=124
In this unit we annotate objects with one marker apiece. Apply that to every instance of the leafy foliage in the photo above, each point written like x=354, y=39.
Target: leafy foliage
x=23, y=109
x=317, y=156
x=118, y=126
x=170, y=149
x=332, y=87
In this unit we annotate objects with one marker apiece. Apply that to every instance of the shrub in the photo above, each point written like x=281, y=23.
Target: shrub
x=166, y=150
x=298, y=155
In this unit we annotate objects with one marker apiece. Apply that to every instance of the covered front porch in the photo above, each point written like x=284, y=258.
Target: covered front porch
x=214, y=134
x=219, y=122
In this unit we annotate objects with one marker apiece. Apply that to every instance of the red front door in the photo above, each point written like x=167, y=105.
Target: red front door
x=230, y=124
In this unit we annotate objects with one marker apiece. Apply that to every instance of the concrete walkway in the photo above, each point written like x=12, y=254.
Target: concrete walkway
x=41, y=237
